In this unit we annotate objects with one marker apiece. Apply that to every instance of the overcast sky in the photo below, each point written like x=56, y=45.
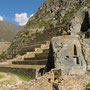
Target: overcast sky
x=18, y=11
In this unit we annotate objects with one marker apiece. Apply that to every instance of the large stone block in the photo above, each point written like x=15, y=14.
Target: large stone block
x=81, y=21
x=66, y=53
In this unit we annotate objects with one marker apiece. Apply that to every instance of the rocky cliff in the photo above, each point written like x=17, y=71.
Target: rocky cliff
x=51, y=14
x=72, y=52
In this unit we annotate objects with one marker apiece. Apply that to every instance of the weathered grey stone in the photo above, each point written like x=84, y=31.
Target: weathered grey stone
x=81, y=21
x=86, y=51
x=88, y=66
x=67, y=54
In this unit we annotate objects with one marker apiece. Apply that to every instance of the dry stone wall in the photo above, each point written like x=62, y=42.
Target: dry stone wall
x=22, y=71
x=44, y=82
x=54, y=80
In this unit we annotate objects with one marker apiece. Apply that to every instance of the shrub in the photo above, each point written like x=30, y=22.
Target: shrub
x=26, y=32
x=51, y=25
x=36, y=33
x=77, y=6
x=88, y=85
x=2, y=56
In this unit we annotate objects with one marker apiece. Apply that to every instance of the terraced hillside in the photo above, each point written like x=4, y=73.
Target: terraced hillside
x=30, y=50
x=28, y=64
x=28, y=44
x=31, y=58
x=49, y=16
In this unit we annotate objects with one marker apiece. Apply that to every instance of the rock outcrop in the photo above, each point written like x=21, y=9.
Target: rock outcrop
x=81, y=21
x=72, y=52
x=80, y=25
x=53, y=13
x=67, y=55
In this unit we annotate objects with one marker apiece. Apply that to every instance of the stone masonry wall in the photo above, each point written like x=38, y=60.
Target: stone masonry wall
x=22, y=71
x=56, y=79
x=44, y=82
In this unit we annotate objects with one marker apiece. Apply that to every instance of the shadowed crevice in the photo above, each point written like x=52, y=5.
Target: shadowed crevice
x=86, y=24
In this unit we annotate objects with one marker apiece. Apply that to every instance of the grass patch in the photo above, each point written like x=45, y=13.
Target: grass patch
x=23, y=66
x=77, y=6
x=68, y=16
x=88, y=85
x=40, y=23
x=1, y=76
x=24, y=78
x=37, y=33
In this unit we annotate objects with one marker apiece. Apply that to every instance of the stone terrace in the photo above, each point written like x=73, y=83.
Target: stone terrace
x=34, y=56
x=54, y=80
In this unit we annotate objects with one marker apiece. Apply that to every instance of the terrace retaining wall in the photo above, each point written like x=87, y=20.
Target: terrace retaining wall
x=21, y=71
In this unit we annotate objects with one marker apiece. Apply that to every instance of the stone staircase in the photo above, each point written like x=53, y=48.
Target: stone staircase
x=28, y=64
x=38, y=57
x=32, y=57
x=37, y=52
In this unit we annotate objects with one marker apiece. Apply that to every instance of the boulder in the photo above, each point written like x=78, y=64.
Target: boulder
x=81, y=21
x=66, y=53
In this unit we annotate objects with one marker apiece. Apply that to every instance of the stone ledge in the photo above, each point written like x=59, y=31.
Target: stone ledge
x=22, y=71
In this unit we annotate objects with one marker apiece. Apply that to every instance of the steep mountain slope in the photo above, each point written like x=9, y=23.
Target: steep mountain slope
x=52, y=14
x=4, y=46
x=5, y=34
x=8, y=30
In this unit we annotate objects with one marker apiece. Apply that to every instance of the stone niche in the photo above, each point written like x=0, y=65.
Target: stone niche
x=66, y=53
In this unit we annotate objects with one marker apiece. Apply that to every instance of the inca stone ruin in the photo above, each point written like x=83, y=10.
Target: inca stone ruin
x=57, y=58
x=67, y=54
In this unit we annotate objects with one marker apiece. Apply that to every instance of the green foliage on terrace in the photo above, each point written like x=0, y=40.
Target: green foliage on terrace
x=26, y=32
x=22, y=66
x=1, y=76
x=12, y=46
x=88, y=2
x=2, y=56
x=46, y=23
x=69, y=15
x=40, y=23
x=23, y=37
x=24, y=78
x=50, y=1
x=77, y=6
x=46, y=12
x=88, y=85
x=37, y=33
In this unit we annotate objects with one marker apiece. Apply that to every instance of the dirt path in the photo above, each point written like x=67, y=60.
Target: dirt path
x=6, y=77
x=8, y=80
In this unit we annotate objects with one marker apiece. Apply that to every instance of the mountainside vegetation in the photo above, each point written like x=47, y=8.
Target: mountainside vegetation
x=52, y=14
